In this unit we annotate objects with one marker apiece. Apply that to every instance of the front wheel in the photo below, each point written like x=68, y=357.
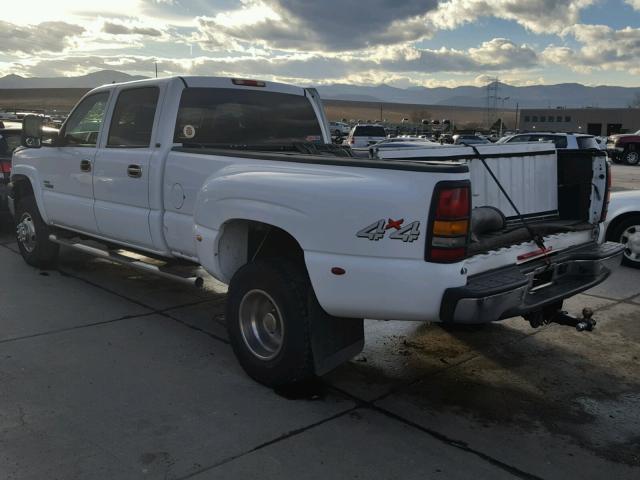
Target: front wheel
x=628, y=234
x=269, y=323
x=631, y=157
x=32, y=235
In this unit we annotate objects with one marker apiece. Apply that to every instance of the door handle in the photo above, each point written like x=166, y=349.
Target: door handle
x=134, y=171
x=85, y=166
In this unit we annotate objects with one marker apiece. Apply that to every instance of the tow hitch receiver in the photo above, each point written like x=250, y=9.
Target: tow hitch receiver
x=561, y=317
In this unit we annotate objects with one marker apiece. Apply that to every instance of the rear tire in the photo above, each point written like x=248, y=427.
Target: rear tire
x=268, y=321
x=627, y=232
x=32, y=235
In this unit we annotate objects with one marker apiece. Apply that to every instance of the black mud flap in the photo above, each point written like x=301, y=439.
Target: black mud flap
x=334, y=340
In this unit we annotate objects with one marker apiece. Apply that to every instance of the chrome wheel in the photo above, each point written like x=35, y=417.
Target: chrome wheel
x=261, y=324
x=26, y=232
x=630, y=238
x=632, y=158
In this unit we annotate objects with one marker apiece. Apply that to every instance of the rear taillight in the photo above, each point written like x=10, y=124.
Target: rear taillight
x=449, y=222
x=5, y=167
x=607, y=195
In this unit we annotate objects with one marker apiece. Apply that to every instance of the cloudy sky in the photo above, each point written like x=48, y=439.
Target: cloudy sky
x=397, y=42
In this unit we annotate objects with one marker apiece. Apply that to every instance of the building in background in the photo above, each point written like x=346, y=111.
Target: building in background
x=595, y=121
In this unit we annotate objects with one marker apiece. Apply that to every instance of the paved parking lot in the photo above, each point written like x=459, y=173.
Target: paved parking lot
x=626, y=177
x=106, y=373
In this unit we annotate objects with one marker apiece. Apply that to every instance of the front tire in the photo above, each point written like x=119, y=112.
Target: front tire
x=32, y=235
x=268, y=321
x=627, y=232
x=631, y=156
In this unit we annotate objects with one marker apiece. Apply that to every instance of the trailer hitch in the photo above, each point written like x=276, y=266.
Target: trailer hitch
x=561, y=317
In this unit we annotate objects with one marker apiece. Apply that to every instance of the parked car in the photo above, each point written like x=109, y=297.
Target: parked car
x=361, y=136
x=10, y=139
x=572, y=141
x=339, y=129
x=469, y=139
x=228, y=174
x=624, y=148
x=622, y=225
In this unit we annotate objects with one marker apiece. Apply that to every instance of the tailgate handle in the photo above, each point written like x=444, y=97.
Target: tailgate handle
x=134, y=171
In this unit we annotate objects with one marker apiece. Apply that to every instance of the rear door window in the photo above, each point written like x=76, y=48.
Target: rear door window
x=370, y=131
x=233, y=117
x=132, y=120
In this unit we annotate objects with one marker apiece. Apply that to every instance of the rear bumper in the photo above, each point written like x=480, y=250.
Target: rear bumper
x=521, y=289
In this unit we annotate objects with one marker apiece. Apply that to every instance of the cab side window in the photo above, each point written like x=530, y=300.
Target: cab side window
x=132, y=120
x=84, y=124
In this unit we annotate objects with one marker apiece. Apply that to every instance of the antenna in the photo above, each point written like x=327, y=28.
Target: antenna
x=156, y=64
x=492, y=101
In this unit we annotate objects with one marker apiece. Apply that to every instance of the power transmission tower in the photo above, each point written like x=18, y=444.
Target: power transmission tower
x=493, y=89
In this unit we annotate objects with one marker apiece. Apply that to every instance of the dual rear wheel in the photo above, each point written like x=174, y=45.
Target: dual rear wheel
x=269, y=322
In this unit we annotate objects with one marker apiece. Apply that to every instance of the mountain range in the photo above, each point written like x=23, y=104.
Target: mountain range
x=90, y=80
x=543, y=96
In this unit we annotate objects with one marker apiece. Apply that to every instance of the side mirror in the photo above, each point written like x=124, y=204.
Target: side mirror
x=32, y=131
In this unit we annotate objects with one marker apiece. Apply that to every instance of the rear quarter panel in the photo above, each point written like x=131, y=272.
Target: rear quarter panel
x=323, y=207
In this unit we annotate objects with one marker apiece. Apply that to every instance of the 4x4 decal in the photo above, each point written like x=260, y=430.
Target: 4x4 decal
x=377, y=230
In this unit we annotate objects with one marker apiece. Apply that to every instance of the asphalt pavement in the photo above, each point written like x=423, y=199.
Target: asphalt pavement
x=107, y=373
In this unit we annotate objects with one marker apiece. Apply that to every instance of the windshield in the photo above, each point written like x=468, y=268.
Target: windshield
x=587, y=142
x=234, y=117
x=370, y=131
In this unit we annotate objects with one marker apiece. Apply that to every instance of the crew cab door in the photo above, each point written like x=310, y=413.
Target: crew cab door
x=121, y=175
x=67, y=172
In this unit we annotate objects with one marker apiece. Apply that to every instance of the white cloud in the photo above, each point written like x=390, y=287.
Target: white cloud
x=503, y=53
x=121, y=28
x=44, y=37
x=602, y=48
x=378, y=65
x=538, y=16
x=307, y=40
x=330, y=25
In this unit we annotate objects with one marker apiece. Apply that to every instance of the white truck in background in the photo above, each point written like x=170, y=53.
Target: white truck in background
x=239, y=177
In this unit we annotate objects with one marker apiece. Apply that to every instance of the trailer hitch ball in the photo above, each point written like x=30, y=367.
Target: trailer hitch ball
x=586, y=322
x=561, y=317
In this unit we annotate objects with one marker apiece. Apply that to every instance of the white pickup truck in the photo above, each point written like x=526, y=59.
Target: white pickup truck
x=239, y=177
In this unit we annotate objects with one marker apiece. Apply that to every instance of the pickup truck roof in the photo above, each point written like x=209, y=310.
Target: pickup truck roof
x=212, y=82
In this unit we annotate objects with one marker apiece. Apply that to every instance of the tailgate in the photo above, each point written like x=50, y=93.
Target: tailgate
x=526, y=251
